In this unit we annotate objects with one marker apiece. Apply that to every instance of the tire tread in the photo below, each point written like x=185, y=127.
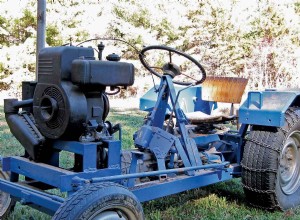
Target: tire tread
x=260, y=161
x=79, y=198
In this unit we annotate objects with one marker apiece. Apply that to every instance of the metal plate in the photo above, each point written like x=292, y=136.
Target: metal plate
x=223, y=89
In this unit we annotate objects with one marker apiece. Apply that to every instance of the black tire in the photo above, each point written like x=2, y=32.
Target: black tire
x=6, y=203
x=271, y=164
x=99, y=200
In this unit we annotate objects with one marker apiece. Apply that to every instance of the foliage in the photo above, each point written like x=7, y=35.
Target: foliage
x=257, y=40
x=31, y=67
x=297, y=7
x=4, y=86
x=4, y=72
x=3, y=35
x=17, y=30
x=139, y=18
x=81, y=36
x=262, y=44
x=165, y=28
x=23, y=27
x=1, y=67
x=53, y=37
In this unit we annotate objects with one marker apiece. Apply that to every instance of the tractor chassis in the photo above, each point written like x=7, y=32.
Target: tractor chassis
x=194, y=174
x=170, y=181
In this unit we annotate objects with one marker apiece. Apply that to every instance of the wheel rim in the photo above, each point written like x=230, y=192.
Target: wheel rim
x=289, y=170
x=116, y=213
x=5, y=199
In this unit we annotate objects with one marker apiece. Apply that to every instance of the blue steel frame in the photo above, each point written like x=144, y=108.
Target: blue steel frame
x=267, y=107
x=170, y=181
x=189, y=100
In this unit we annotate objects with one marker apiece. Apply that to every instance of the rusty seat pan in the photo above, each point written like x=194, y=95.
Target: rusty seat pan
x=223, y=89
x=219, y=89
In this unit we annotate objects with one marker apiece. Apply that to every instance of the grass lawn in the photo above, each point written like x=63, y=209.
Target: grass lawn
x=220, y=201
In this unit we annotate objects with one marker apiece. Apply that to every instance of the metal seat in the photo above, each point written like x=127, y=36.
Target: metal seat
x=219, y=89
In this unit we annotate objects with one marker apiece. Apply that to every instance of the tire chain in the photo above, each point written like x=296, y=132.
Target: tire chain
x=290, y=112
x=285, y=131
x=262, y=192
x=259, y=170
x=258, y=190
x=263, y=145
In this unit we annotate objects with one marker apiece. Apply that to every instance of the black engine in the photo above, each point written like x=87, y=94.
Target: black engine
x=68, y=102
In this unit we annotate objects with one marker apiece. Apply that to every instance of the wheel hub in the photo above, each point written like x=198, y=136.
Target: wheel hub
x=109, y=215
x=289, y=170
x=5, y=200
x=114, y=213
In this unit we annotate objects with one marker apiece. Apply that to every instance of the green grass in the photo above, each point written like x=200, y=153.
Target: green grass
x=220, y=201
x=130, y=121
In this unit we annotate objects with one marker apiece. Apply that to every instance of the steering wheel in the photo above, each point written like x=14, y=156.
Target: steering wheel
x=172, y=68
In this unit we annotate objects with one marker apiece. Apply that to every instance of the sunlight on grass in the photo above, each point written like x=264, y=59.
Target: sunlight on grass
x=204, y=204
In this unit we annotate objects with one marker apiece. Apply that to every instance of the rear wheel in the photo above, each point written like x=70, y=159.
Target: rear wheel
x=271, y=164
x=6, y=203
x=101, y=201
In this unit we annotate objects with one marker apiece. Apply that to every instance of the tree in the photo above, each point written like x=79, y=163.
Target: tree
x=23, y=27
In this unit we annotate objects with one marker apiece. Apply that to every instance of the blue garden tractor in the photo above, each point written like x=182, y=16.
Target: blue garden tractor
x=180, y=146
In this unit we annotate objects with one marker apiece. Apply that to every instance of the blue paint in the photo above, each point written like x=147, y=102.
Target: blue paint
x=164, y=188
x=189, y=100
x=205, y=140
x=267, y=107
x=48, y=203
x=197, y=168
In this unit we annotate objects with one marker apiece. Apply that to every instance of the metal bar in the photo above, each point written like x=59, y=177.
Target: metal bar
x=136, y=155
x=255, y=98
x=90, y=157
x=23, y=103
x=74, y=146
x=176, y=185
x=114, y=149
x=41, y=31
x=176, y=100
x=67, y=181
x=160, y=172
x=50, y=203
x=34, y=170
x=182, y=153
x=157, y=116
x=188, y=143
x=243, y=130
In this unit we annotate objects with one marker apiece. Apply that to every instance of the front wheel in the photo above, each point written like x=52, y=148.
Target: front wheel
x=271, y=164
x=6, y=203
x=101, y=201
